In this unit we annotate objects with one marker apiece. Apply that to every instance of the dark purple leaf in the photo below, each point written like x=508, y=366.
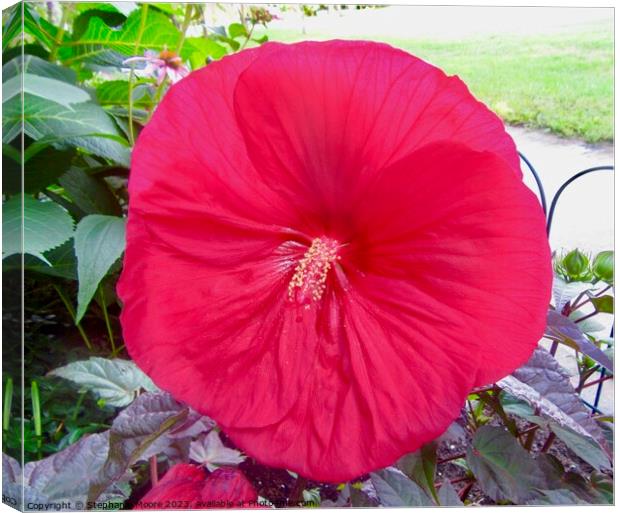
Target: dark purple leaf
x=567, y=332
x=503, y=468
x=395, y=489
x=543, y=383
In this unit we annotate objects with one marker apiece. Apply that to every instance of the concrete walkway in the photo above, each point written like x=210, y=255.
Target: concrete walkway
x=584, y=214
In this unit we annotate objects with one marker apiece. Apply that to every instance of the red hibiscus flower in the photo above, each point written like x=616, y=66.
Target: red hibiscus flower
x=187, y=487
x=329, y=244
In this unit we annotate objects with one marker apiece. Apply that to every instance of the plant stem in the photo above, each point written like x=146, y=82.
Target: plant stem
x=186, y=22
x=547, y=445
x=451, y=458
x=76, y=410
x=247, y=38
x=8, y=403
x=36, y=414
x=61, y=32
x=106, y=317
x=143, y=14
x=577, y=306
x=465, y=491
x=153, y=469
x=531, y=435
x=597, y=381
x=586, y=317
x=71, y=311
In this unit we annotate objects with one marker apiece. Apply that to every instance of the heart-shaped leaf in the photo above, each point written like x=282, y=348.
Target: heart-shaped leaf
x=395, y=489
x=115, y=381
x=503, y=468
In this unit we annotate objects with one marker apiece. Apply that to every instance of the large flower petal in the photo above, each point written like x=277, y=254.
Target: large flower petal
x=213, y=328
x=382, y=386
x=191, y=156
x=465, y=232
x=318, y=117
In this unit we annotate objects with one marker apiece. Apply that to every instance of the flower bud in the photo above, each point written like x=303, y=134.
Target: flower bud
x=603, y=266
x=576, y=266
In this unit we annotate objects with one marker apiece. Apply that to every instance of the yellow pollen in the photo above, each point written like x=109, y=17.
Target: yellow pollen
x=308, y=281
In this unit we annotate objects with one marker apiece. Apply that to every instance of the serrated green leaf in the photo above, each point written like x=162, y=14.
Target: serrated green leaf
x=503, y=468
x=109, y=14
x=395, y=489
x=116, y=92
x=39, y=28
x=99, y=242
x=83, y=124
x=89, y=193
x=37, y=66
x=48, y=88
x=13, y=26
x=102, y=45
x=46, y=226
x=115, y=381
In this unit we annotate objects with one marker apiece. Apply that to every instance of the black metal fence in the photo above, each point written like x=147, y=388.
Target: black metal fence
x=549, y=213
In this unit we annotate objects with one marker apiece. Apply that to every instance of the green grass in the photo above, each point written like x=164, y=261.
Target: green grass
x=563, y=83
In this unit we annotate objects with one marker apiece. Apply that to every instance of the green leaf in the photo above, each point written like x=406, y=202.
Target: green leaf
x=39, y=28
x=503, y=468
x=420, y=466
x=62, y=260
x=236, y=30
x=603, y=304
x=89, y=193
x=447, y=495
x=37, y=66
x=11, y=30
x=603, y=485
x=584, y=447
x=107, y=13
x=40, y=170
x=115, y=381
x=99, y=242
x=102, y=45
x=395, y=489
x=48, y=88
x=205, y=49
x=84, y=125
x=116, y=92
x=46, y=226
